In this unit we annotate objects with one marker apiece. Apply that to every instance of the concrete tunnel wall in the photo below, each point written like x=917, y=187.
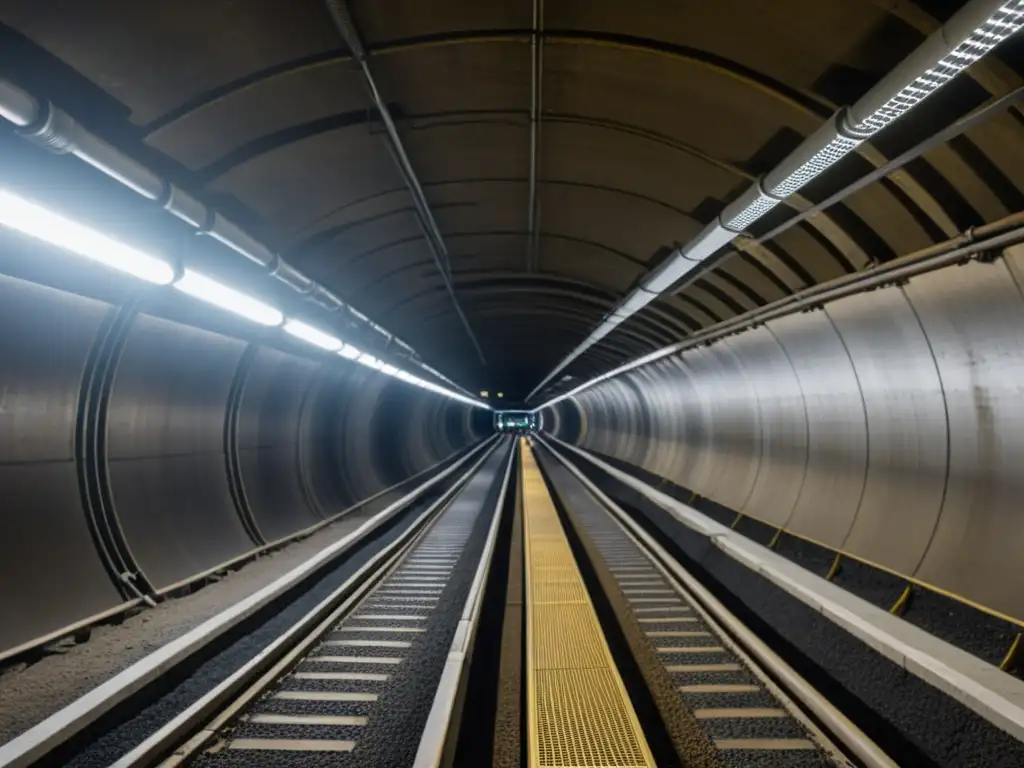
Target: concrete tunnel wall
x=888, y=425
x=178, y=452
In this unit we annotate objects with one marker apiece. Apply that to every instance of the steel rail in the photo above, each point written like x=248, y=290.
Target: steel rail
x=745, y=643
x=193, y=728
x=42, y=739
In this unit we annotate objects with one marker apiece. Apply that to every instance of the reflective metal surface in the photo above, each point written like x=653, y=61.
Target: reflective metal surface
x=50, y=574
x=268, y=443
x=836, y=430
x=165, y=433
x=906, y=418
x=181, y=411
x=973, y=316
x=888, y=425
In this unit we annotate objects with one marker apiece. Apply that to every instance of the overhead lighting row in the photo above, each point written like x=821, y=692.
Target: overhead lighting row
x=38, y=222
x=967, y=37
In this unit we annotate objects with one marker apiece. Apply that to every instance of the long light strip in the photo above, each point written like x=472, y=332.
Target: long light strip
x=308, y=333
x=212, y=292
x=38, y=222
x=838, y=147
x=838, y=137
x=43, y=224
x=1005, y=21
x=761, y=205
x=314, y=336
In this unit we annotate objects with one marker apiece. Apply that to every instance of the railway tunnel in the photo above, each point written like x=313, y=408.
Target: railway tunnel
x=743, y=280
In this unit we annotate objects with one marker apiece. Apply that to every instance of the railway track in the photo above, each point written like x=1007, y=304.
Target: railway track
x=382, y=611
x=751, y=707
x=361, y=686
x=627, y=660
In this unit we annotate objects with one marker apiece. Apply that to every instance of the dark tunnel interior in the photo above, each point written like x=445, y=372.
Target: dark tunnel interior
x=265, y=263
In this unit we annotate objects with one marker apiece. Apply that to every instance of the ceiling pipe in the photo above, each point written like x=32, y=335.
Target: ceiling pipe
x=536, y=105
x=346, y=27
x=971, y=244
x=960, y=127
x=48, y=126
x=967, y=37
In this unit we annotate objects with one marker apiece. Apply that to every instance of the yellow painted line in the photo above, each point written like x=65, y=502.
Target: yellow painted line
x=578, y=711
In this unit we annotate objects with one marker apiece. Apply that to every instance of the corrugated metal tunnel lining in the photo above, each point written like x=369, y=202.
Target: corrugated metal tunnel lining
x=468, y=190
x=277, y=132
x=885, y=425
x=174, y=498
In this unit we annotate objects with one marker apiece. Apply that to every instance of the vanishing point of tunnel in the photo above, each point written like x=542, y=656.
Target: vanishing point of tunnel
x=513, y=383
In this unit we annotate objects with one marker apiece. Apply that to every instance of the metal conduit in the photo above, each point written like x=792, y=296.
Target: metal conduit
x=847, y=129
x=536, y=105
x=968, y=245
x=342, y=19
x=48, y=126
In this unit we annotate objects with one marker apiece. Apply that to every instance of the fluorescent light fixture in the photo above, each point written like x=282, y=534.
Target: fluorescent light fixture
x=314, y=336
x=370, y=361
x=349, y=352
x=968, y=36
x=38, y=222
x=636, y=301
x=668, y=275
x=209, y=290
x=836, y=149
x=711, y=239
x=757, y=208
x=1006, y=19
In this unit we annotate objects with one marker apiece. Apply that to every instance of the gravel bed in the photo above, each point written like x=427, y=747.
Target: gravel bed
x=29, y=693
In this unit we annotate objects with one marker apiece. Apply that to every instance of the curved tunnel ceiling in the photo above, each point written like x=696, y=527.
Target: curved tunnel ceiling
x=653, y=117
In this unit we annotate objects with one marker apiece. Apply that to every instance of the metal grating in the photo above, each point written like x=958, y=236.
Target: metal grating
x=579, y=714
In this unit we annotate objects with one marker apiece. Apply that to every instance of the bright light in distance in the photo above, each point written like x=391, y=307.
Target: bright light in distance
x=218, y=294
x=38, y=222
x=388, y=370
x=349, y=352
x=314, y=336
